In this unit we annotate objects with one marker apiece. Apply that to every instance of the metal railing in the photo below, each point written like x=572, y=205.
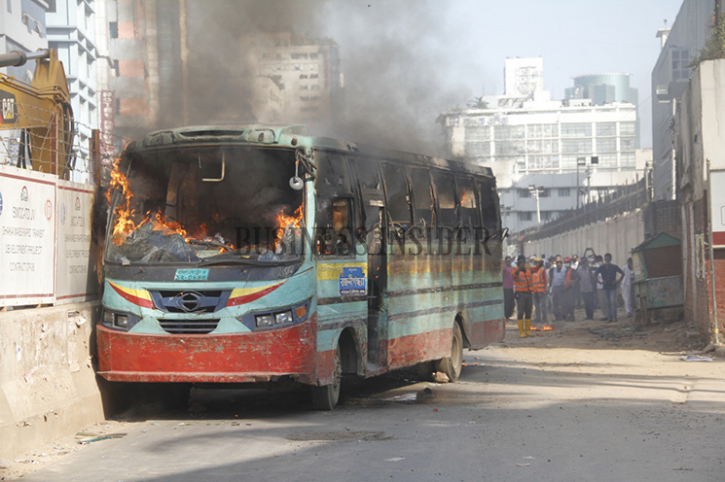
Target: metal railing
x=624, y=199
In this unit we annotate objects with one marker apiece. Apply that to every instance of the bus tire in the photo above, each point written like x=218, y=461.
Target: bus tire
x=451, y=365
x=325, y=397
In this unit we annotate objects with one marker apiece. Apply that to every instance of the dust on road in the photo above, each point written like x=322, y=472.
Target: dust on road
x=586, y=401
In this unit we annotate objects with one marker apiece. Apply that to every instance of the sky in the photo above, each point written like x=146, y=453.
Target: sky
x=407, y=61
x=458, y=47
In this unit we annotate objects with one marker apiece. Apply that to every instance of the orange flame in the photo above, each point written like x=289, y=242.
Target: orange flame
x=284, y=221
x=543, y=328
x=125, y=223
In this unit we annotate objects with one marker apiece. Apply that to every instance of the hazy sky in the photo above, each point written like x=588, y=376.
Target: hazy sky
x=439, y=53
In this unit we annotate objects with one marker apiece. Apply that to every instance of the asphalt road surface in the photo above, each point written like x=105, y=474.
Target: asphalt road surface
x=588, y=401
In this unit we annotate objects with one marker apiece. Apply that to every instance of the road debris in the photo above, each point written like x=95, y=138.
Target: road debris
x=109, y=436
x=696, y=358
x=440, y=377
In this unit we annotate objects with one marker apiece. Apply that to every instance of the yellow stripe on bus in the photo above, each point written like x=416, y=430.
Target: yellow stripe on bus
x=329, y=271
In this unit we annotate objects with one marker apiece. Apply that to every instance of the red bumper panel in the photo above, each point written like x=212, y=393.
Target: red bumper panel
x=244, y=357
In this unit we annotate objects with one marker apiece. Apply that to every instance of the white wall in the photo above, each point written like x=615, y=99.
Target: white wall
x=617, y=236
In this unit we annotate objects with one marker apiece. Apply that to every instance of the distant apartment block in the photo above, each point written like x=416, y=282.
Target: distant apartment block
x=307, y=73
x=525, y=133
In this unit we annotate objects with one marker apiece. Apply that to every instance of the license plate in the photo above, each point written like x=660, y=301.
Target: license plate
x=191, y=275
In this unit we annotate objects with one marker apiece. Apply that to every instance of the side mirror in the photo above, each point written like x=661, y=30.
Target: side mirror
x=295, y=181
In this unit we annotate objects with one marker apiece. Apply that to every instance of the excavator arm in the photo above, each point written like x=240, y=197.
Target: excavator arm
x=41, y=111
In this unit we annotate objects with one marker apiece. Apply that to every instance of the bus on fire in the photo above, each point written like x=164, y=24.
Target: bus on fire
x=256, y=254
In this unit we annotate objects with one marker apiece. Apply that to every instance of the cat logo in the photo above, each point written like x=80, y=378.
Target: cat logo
x=8, y=108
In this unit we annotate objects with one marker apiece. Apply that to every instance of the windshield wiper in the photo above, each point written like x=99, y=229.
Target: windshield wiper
x=235, y=257
x=210, y=244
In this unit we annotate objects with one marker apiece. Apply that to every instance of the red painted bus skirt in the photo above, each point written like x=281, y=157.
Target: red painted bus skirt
x=225, y=358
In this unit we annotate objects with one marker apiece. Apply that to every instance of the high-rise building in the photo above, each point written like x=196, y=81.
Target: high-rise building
x=307, y=72
x=670, y=78
x=524, y=133
x=22, y=27
x=71, y=31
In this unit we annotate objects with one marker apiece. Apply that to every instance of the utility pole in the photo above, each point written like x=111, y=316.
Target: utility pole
x=580, y=161
x=535, y=191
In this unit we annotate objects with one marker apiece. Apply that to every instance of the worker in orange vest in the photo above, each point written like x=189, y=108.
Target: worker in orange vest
x=522, y=292
x=538, y=288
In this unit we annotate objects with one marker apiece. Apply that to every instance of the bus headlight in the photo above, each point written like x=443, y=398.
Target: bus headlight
x=120, y=321
x=264, y=320
x=283, y=317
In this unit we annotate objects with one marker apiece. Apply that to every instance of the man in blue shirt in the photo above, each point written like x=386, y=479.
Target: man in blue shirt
x=609, y=284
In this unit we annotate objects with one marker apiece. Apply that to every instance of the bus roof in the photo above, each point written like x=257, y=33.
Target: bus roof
x=291, y=136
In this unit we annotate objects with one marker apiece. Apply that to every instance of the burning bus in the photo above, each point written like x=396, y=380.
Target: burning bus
x=256, y=254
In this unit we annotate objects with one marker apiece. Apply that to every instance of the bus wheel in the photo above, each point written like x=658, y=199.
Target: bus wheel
x=327, y=396
x=451, y=365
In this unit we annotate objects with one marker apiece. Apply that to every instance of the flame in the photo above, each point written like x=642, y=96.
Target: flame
x=123, y=212
x=544, y=328
x=467, y=200
x=284, y=221
x=125, y=223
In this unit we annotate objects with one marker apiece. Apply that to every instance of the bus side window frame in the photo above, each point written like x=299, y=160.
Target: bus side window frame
x=348, y=230
x=440, y=226
x=367, y=197
x=467, y=230
x=428, y=227
x=397, y=227
x=483, y=183
x=329, y=196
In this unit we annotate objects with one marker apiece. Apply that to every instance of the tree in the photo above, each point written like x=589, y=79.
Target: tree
x=477, y=103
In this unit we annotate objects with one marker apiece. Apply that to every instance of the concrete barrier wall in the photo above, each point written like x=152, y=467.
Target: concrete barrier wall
x=48, y=386
x=617, y=235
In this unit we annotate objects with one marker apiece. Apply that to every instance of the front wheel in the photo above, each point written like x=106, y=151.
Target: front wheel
x=327, y=396
x=452, y=364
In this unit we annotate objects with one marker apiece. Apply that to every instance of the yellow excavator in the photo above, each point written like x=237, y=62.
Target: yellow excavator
x=41, y=111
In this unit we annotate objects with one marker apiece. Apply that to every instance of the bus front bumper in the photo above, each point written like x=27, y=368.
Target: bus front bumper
x=229, y=358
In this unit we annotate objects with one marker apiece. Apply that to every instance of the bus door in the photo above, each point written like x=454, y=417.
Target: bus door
x=372, y=233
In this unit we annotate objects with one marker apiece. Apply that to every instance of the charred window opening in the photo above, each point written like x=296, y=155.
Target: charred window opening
x=470, y=220
x=396, y=188
x=423, y=206
x=489, y=206
x=371, y=192
x=446, y=196
x=195, y=205
x=334, y=215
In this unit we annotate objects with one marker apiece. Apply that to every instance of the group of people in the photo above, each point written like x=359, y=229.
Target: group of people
x=537, y=285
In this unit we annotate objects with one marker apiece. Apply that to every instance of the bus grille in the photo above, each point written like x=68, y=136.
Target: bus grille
x=189, y=327
x=190, y=301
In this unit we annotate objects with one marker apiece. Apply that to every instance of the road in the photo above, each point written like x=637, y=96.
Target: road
x=588, y=401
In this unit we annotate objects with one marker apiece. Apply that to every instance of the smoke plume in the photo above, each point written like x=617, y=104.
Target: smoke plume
x=392, y=60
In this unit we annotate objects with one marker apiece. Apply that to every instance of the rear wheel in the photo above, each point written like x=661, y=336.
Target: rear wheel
x=451, y=365
x=327, y=396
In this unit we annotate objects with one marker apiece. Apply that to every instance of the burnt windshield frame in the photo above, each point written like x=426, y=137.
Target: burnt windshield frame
x=157, y=169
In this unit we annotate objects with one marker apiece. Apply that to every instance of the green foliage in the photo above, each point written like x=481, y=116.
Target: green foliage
x=715, y=45
x=477, y=103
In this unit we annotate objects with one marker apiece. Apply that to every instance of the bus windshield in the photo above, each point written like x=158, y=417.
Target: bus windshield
x=205, y=205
